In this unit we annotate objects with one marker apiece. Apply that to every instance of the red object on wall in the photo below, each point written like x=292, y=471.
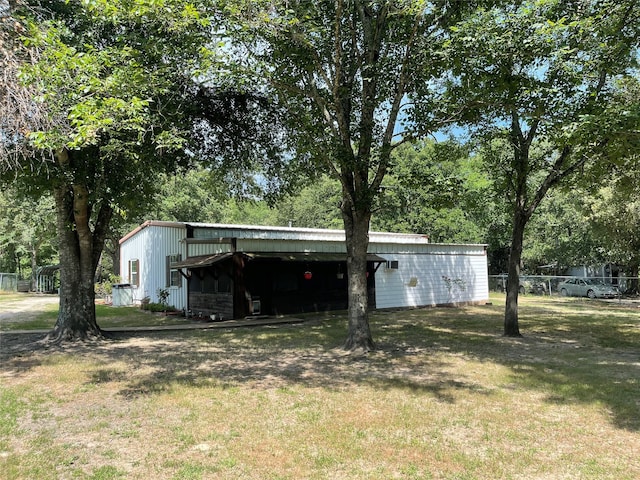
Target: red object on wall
x=308, y=275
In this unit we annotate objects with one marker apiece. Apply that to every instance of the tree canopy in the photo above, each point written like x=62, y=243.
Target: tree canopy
x=27, y=233
x=435, y=188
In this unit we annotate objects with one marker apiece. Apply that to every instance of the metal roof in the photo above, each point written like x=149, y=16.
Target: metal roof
x=287, y=233
x=47, y=270
x=262, y=232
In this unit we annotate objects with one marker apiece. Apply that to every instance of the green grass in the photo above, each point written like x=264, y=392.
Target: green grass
x=10, y=409
x=445, y=396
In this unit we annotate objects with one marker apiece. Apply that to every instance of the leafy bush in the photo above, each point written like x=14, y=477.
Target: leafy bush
x=157, y=307
x=105, y=287
x=163, y=295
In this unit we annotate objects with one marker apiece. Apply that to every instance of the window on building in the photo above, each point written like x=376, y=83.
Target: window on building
x=173, y=275
x=210, y=281
x=208, y=284
x=224, y=283
x=134, y=272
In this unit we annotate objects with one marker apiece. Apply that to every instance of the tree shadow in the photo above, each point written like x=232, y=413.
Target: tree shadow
x=568, y=360
x=171, y=362
x=565, y=360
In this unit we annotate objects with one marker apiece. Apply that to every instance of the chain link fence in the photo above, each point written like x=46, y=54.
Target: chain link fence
x=595, y=287
x=8, y=282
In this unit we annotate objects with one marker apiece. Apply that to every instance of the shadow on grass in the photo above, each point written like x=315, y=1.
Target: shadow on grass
x=201, y=361
x=572, y=356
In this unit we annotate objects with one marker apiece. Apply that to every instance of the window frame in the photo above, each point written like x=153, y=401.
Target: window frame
x=173, y=277
x=134, y=274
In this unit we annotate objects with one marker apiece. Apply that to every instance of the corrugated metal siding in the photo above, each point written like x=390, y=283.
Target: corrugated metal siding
x=197, y=249
x=428, y=249
x=418, y=281
x=134, y=249
x=267, y=233
x=402, y=238
x=295, y=246
x=151, y=246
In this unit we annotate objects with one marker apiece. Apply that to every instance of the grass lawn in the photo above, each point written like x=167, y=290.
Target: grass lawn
x=445, y=396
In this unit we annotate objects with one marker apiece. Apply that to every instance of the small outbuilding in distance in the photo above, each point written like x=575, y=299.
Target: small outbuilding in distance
x=235, y=271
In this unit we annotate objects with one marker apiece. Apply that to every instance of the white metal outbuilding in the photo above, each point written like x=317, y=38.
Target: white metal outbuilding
x=225, y=268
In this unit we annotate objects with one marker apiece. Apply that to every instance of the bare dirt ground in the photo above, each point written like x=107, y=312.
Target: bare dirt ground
x=14, y=346
x=22, y=310
x=25, y=308
x=18, y=344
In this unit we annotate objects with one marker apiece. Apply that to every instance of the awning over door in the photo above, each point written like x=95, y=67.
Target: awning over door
x=201, y=261
x=309, y=257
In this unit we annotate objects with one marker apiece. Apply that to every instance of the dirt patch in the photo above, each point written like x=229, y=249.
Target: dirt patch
x=26, y=308
x=18, y=311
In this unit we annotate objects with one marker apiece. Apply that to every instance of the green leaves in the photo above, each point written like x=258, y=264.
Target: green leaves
x=438, y=189
x=544, y=59
x=93, y=116
x=105, y=69
x=167, y=15
x=94, y=92
x=116, y=83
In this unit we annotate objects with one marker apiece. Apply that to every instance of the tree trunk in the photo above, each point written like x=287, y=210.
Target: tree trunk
x=115, y=257
x=356, y=225
x=633, y=280
x=79, y=249
x=34, y=267
x=77, y=314
x=511, y=327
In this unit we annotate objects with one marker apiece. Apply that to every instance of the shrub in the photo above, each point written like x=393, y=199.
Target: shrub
x=157, y=307
x=105, y=287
